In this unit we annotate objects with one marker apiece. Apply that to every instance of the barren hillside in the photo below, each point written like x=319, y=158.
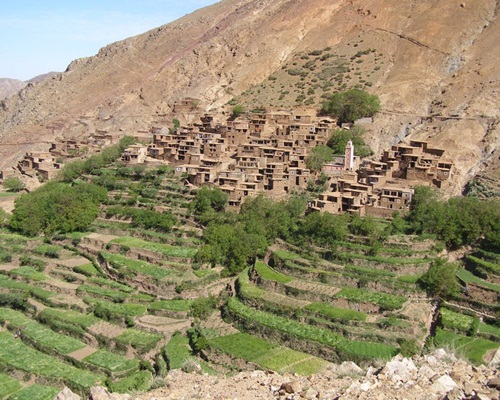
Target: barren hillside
x=9, y=86
x=434, y=64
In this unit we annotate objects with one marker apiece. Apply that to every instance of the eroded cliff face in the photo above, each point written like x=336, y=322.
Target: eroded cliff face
x=439, y=81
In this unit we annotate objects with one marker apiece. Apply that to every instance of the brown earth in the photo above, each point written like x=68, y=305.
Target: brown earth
x=438, y=75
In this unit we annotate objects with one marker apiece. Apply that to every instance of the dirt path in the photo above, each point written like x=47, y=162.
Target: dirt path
x=163, y=325
x=38, y=306
x=8, y=267
x=79, y=355
x=73, y=262
x=217, y=323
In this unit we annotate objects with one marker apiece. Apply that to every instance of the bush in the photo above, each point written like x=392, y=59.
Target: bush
x=13, y=184
x=440, y=279
x=203, y=307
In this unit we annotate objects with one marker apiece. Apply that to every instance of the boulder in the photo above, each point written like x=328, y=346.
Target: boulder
x=348, y=368
x=101, y=393
x=494, y=383
x=291, y=387
x=443, y=385
x=67, y=394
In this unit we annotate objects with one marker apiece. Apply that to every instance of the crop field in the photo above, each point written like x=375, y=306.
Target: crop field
x=336, y=312
x=265, y=272
x=268, y=355
x=15, y=354
x=138, y=267
x=8, y=385
x=469, y=277
x=36, y=392
x=112, y=362
x=359, y=349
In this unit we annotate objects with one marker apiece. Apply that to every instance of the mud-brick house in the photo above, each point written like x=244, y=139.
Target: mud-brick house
x=49, y=172
x=236, y=133
x=8, y=173
x=102, y=138
x=395, y=197
x=35, y=160
x=188, y=104
x=68, y=148
x=135, y=154
x=418, y=162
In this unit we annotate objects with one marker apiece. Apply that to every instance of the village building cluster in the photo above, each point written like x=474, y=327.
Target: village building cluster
x=266, y=152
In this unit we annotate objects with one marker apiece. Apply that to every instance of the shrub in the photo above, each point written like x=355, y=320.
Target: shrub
x=13, y=184
x=440, y=279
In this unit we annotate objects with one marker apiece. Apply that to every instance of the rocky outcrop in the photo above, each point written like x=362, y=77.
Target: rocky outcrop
x=439, y=375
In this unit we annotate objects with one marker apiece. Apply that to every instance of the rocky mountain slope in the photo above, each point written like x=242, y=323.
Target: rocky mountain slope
x=10, y=86
x=436, y=72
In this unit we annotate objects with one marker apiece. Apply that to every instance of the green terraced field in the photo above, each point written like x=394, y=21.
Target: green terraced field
x=335, y=312
x=177, y=350
x=139, y=267
x=118, y=309
x=384, y=300
x=28, y=273
x=171, y=305
x=112, y=362
x=36, y=392
x=266, y=273
x=469, y=277
x=268, y=355
x=164, y=249
x=453, y=320
x=15, y=354
x=39, y=333
x=8, y=385
x=313, y=333
x=140, y=340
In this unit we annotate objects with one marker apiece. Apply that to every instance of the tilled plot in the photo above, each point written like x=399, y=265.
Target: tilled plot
x=317, y=288
x=106, y=329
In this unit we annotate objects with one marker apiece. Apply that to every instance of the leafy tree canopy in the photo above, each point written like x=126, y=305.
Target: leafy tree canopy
x=319, y=156
x=457, y=221
x=57, y=207
x=340, y=137
x=209, y=200
x=440, y=279
x=351, y=105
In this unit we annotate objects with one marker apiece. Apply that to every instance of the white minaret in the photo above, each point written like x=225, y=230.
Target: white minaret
x=349, y=156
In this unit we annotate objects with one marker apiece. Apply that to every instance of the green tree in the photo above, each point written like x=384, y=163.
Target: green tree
x=319, y=156
x=237, y=110
x=13, y=184
x=440, y=279
x=340, y=137
x=351, y=105
x=57, y=207
x=208, y=200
